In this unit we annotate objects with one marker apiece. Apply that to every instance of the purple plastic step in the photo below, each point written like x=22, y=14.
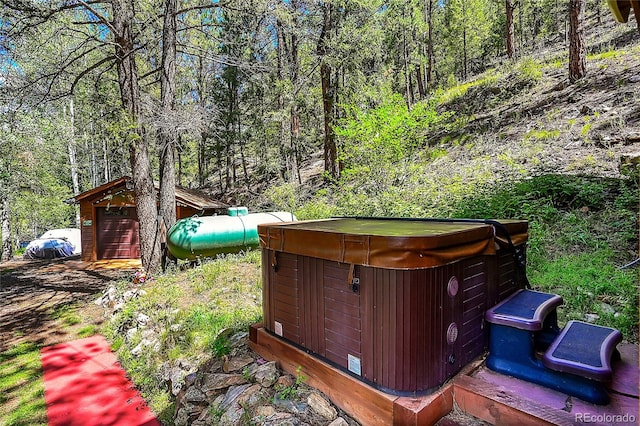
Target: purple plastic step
x=524, y=309
x=584, y=350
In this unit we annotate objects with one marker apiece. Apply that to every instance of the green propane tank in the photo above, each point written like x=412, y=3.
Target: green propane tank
x=207, y=236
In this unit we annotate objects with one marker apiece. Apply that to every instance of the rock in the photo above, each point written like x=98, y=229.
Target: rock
x=194, y=394
x=339, y=422
x=321, y=406
x=129, y=294
x=206, y=418
x=264, y=411
x=632, y=138
x=634, y=78
x=267, y=374
x=280, y=419
x=232, y=395
x=138, y=349
x=607, y=308
x=130, y=333
x=238, y=339
x=591, y=317
x=285, y=381
x=233, y=416
x=252, y=395
x=291, y=406
x=143, y=319
x=190, y=379
x=185, y=414
x=175, y=375
x=236, y=363
x=220, y=381
x=182, y=417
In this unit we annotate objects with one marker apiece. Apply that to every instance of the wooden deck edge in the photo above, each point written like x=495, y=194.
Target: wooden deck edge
x=364, y=403
x=499, y=407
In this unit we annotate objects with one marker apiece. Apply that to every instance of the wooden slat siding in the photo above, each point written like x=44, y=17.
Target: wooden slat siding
x=87, y=233
x=341, y=315
x=435, y=313
x=394, y=285
x=396, y=324
x=409, y=329
x=421, y=333
x=455, y=315
x=320, y=303
x=306, y=294
x=367, y=287
x=474, y=294
x=381, y=348
x=506, y=285
x=286, y=299
x=267, y=294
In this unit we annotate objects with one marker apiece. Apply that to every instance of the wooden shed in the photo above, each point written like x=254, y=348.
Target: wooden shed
x=109, y=220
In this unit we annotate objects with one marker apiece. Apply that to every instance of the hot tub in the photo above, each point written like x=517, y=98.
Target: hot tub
x=397, y=303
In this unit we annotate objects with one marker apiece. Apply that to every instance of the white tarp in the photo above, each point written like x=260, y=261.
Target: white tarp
x=54, y=244
x=71, y=235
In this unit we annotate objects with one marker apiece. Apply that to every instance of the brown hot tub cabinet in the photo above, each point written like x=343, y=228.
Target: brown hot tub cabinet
x=397, y=303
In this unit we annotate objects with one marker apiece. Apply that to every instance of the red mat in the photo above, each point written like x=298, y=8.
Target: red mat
x=85, y=386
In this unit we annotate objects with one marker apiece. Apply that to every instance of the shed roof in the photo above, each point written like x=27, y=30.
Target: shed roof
x=184, y=196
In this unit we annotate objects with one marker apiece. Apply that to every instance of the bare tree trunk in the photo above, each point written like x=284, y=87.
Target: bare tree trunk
x=202, y=160
x=430, y=58
x=407, y=73
x=7, y=249
x=295, y=119
x=168, y=132
x=330, y=148
x=577, y=49
x=511, y=49
x=464, y=51
x=137, y=139
x=280, y=48
x=73, y=162
x=105, y=159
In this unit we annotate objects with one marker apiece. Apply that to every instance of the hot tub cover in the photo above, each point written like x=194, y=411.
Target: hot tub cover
x=389, y=243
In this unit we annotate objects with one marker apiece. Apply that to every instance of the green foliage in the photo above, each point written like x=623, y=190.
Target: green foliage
x=378, y=152
x=457, y=90
x=610, y=54
x=291, y=392
x=21, y=386
x=194, y=312
x=67, y=314
x=529, y=70
x=542, y=134
x=589, y=282
x=388, y=133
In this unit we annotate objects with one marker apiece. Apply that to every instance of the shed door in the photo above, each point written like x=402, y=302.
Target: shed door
x=117, y=233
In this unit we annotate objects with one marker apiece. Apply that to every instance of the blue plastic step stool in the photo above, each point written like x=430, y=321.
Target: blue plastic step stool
x=577, y=359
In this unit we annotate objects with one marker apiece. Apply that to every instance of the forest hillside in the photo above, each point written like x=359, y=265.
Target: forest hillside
x=399, y=108
x=515, y=121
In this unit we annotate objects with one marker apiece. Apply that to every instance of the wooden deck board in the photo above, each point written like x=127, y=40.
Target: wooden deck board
x=546, y=403
x=364, y=403
x=477, y=391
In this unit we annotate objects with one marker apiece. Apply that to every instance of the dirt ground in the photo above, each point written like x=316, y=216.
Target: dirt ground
x=33, y=293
